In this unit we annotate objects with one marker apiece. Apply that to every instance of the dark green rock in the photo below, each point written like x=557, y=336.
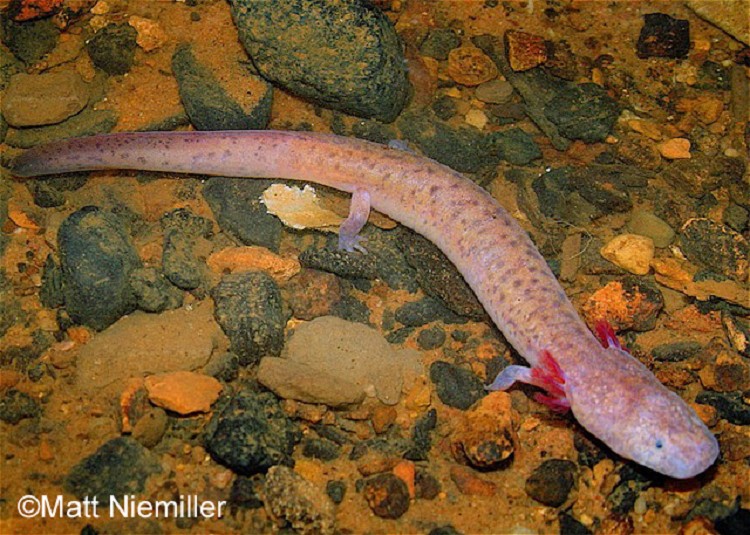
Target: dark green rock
x=118, y=468
x=584, y=112
x=248, y=308
x=153, y=291
x=112, y=49
x=16, y=406
x=431, y=338
x=456, y=387
x=716, y=247
x=30, y=41
x=439, y=43
x=235, y=202
x=208, y=105
x=181, y=265
x=51, y=292
x=251, y=434
x=97, y=258
x=340, y=54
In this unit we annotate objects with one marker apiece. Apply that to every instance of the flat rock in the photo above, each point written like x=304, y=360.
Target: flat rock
x=142, y=344
x=339, y=353
x=42, y=99
x=183, y=392
x=293, y=380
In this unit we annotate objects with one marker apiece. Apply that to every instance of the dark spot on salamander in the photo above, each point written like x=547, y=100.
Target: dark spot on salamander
x=141, y=160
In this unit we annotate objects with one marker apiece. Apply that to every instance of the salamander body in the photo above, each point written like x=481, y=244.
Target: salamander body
x=611, y=394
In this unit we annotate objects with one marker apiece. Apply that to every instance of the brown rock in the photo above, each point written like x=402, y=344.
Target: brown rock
x=484, y=437
x=294, y=380
x=253, y=258
x=44, y=99
x=382, y=418
x=312, y=293
x=630, y=252
x=630, y=303
x=677, y=148
x=524, y=50
x=468, y=483
x=183, y=392
x=387, y=495
x=470, y=66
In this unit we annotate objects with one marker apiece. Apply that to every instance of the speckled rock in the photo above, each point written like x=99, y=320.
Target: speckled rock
x=42, y=99
x=383, y=260
x=208, y=104
x=153, y=291
x=112, y=49
x=456, y=387
x=312, y=293
x=438, y=277
x=236, y=205
x=583, y=112
x=248, y=308
x=251, y=433
x=630, y=303
x=663, y=37
x=299, y=503
x=97, y=258
x=703, y=174
x=184, y=232
x=365, y=77
x=484, y=437
x=16, y=405
x=551, y=482
x=439, y=42
x=387, y=495
x=320, y=448
x=716, y=247
x=424, y=311
x=119, y=467
x=30, y=41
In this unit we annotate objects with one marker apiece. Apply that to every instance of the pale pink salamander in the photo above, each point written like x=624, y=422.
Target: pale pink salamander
x=612, y=394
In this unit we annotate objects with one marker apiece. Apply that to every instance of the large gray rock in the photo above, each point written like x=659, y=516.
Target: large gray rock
x=340, y=54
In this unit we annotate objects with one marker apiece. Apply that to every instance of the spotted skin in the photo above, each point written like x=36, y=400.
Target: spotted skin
x=611, y=394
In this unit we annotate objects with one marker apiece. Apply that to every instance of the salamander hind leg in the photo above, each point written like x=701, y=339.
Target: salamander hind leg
x=359, y=211
x=546, y=375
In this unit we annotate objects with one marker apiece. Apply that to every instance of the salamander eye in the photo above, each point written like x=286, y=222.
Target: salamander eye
x=659, y=444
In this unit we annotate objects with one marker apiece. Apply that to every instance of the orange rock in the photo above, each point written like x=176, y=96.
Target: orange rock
x=484, y=437
x=468, y=483
x=238, y=259
x=33, y=9
x=468, y=65
x=382, y=418
x=9, y=379
x=183, y=392
x=675, y=149
x=524, y=50
x=631, y=252
x=45, y=450
x=406, y=472
x=22, y=220
x=648, y=128
x=80, y=335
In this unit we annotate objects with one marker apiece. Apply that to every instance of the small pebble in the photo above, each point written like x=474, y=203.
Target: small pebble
x=630, y=252
x=551, y=482
x=183, y=392
x=470, y=66
x=387, y=495
x=494, y=92
x=647, y=224
x=675, y=149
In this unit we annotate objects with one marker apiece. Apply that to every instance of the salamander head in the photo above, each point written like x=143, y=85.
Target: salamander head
x=625, y=406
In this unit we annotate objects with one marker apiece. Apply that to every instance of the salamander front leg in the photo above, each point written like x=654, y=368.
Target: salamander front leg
x=359, y=211
x=546, y=375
